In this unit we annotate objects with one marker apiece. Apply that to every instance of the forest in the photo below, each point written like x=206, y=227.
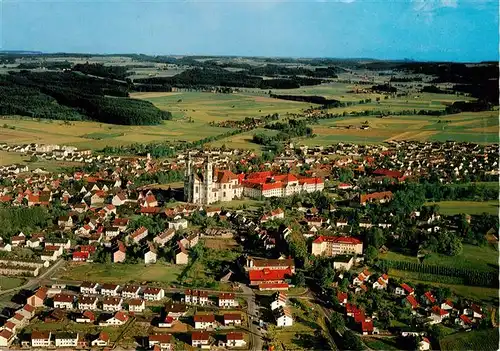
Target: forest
x=313, y=99
x=73, y=96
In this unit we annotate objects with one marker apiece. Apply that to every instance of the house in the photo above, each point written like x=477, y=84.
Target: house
x=40, y=339
x=102, y=340
x=181, y=255
x=196, y=297
x=162, y=340
x=342, y=298
x=232, y=319
x=63, y=301
x=88, y=288
x=121, y=223
x=269, y=275
x=191, y=240
x=110, y=289
x=411, y=301
x=204, y=321
x=381, y=282
x=279, y=300
x=175, y=310
x=235, y=340
x=119, y=252
x=424, y=344
x=275, y=214
x=86, y=317
x=200, y=339
x=404, y=289
x=112, y=232
x=153, y=294
x=178, y=224
x=167, y=322
x=80, y=256
x=65, y=222
x=138, y=235
x=447, y=305
x=131, y=292
x=119, y=199
x=164, y=237
x=367, y=327
x=284, y=317
x=227, y=300
x=66, y=339
x=149, y=253
x=343, y=262
x=380, y=197
x=464, y=321
x=119, y=318
x=361, y=277
x=136, y=305
x=87, y=303
x=6, y=338
x=56, y=315
x=428, y=299
x=112, y=304
x=27, y=311
x=475, y=311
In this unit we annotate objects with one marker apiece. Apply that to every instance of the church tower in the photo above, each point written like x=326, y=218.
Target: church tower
x=208, y=181
x=188, y=181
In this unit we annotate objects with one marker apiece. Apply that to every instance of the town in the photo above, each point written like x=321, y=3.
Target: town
x=339, y=247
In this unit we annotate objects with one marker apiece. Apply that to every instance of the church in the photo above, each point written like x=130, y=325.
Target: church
x=210, y=186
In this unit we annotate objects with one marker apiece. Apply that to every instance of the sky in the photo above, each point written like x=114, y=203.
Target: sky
x=439, y=30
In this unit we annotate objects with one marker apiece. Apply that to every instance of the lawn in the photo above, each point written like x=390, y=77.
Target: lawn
x=468, y=207
x=483, y=340
x=164, y=274
x=483, y=258
x=7, y=283
x=489, y=295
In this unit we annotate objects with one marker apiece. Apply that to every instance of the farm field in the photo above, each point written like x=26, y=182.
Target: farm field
x=207, y=107
x=472, y=257
x=380, y=343
x=480, y=127
x=123, y=273
x=8, y=158
x=243, y=140
x=475, y=340
x=95, y=135
x=468, y=207
x=489, y=295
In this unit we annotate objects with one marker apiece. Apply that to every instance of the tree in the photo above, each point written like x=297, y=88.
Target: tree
x=351, y=341
x=299, y=279
x=371, y=253
x=337, y=322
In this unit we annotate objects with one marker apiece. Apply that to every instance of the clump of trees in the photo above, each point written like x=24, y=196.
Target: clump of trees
x=98, y=69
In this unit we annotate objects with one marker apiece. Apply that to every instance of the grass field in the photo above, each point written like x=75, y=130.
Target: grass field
x=94, y=135
x=381, y=343
x=480, y=127
x=489, y=295
x=475, y=340
x=468, y=207
x=123, y=273
x=10, y=282
x=206, y=107
x=483, y=258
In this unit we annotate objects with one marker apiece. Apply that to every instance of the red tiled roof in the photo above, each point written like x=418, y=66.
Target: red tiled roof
x=438, y=310
x=204, y=318
x=429, y=297
x=465, y=319
x=367, y=326
x=337, y=239
x=407, y=288
x=234, y=336
x=413, y=302
x=341, y=296
x=267, y=286
x=199, y=335
x=269, y=274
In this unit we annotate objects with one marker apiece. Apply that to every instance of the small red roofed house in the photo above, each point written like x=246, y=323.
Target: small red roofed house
x=411, y=301
x=428, y=299
x=438, y=314
x=362, y=277
x=464, y=321
x=342, y=298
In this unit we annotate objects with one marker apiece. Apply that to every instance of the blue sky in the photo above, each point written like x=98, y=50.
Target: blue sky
x=453, y=30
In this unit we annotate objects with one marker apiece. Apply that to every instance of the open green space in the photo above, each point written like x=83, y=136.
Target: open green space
x=483, y=258
x=488, y=295
x=474, y=340
x=123, y=273
x=381, y=343
x=468, y=207
x=7, y=283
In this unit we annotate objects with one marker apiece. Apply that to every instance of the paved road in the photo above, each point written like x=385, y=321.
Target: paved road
x=32, y=283
x=256, y=341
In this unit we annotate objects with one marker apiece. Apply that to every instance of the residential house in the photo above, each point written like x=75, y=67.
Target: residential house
x=381, y=282
x=112, y=304
x=6, y=338
x=41, y=339
x=136, y=305
x=403, y=290
x=428, y=299
x=87, y=303
x=227, y=300
x=175, y=310
x=102, y=340
x=88, y=288
x=438, y=315
x=118, y=319
x=131, y=292
x=232, y=319
x=86, y=317
x=119, y=252
x=181, y=254
x=200, y=339
x=66, y=339
x=191, y=240
x=149, y=253
x=196, y=297
x=342, y=298
x=411, y=301
x=204, y=321
x=362, y=277
x=178, y=224
x=164, y=341
x=284, y=317
x=424, y=344
x=279, y=300
x=63, y=301
x=108, y=289
x=164, y=237
x=235, y=340
x=153, y=294
x=138, y=235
